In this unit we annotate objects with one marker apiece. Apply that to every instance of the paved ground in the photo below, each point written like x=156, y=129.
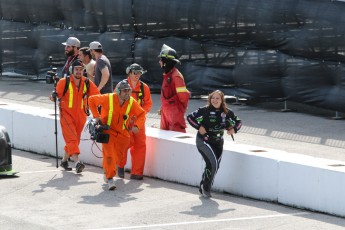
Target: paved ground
x=43, y=197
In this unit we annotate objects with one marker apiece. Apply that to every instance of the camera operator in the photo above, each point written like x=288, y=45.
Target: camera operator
x=123, y=114
x=72, y=46
x=72, y=93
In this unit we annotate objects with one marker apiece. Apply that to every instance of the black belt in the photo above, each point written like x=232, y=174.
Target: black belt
x=210, y=138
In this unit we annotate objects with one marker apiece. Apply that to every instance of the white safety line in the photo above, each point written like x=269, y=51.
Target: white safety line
x=205, y=221
x=43, y=171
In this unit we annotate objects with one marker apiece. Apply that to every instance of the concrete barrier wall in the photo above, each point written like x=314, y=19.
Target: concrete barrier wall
x=6, y=117
x=250, y=171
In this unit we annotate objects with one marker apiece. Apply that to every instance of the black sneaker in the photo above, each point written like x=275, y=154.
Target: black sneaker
x=64, y=164
x=121, y=172
x=136, y=177
x=79, y=167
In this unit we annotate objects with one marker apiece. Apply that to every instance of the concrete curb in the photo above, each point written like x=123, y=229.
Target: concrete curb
x=250, y=171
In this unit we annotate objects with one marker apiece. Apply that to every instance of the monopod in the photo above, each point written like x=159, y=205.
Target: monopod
x=55, y=114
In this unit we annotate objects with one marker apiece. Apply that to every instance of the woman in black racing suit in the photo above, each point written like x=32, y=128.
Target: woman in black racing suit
x=211, y=121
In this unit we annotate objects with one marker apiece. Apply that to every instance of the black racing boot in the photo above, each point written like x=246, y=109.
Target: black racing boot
x=64, y=164
x=121, y=172
x=136, y=177
x=200, y=189
x=205, y=192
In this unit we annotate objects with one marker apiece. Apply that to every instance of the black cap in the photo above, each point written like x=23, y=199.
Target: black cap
x=77, y=63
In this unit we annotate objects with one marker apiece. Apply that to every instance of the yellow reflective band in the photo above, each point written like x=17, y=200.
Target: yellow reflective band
x=111, y=108
x=168, y=56
x=181, y=89
x=127, y=112
x=139, y=95
x=82, y=100
x=70, y=102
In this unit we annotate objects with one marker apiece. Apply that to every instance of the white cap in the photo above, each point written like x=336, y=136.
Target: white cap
x=72, y=41
x=95, y=46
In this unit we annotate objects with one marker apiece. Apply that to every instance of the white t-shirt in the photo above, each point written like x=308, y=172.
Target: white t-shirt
x=90, y=68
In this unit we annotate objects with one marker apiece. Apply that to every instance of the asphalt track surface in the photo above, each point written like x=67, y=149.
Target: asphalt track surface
x=44, y=197
x=41, y=196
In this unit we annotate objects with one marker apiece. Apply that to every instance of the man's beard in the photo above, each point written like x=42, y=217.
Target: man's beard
x=70, y=53
x=77, y=76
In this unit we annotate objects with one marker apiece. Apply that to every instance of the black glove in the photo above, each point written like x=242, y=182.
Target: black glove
x=54, y=95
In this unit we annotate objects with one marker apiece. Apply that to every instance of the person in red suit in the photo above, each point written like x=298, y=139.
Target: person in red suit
x=174, y=94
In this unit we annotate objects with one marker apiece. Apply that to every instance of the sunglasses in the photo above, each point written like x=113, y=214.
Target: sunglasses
x=136, y=72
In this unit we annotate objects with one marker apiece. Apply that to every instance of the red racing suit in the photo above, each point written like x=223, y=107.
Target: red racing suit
x=119, y=118
x=72, y=111
x=138, y=140
x=174, y=99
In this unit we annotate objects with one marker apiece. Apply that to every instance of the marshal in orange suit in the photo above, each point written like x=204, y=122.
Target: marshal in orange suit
x=123, y=114
x=72, y=92
x=141, y=93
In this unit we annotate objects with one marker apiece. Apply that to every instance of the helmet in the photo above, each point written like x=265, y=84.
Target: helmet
x=135, y=67
x=168, y=53
x=122, y=85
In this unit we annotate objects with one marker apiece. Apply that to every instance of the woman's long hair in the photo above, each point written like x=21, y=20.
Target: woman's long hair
x=222, y=105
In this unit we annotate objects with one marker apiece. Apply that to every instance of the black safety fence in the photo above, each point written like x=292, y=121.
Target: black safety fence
x=259, y=50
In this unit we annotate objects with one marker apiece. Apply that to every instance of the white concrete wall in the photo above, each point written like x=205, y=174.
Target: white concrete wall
x=6, y=117
x=250, y=171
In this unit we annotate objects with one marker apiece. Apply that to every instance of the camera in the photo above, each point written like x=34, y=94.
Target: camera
x=96, y=131
x=51, y=76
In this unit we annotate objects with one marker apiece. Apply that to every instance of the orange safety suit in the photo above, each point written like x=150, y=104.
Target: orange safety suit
x=72, y=111
x=174, y=98
x=138, y=140
x=120, y=119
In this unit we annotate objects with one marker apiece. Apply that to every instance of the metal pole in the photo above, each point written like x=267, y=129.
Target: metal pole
x=55, y=114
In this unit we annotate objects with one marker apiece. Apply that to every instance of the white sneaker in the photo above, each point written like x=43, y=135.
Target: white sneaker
x=111, y=184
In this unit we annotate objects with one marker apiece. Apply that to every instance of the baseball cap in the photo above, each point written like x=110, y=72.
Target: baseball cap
x=72, y=41
x=95, y=45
